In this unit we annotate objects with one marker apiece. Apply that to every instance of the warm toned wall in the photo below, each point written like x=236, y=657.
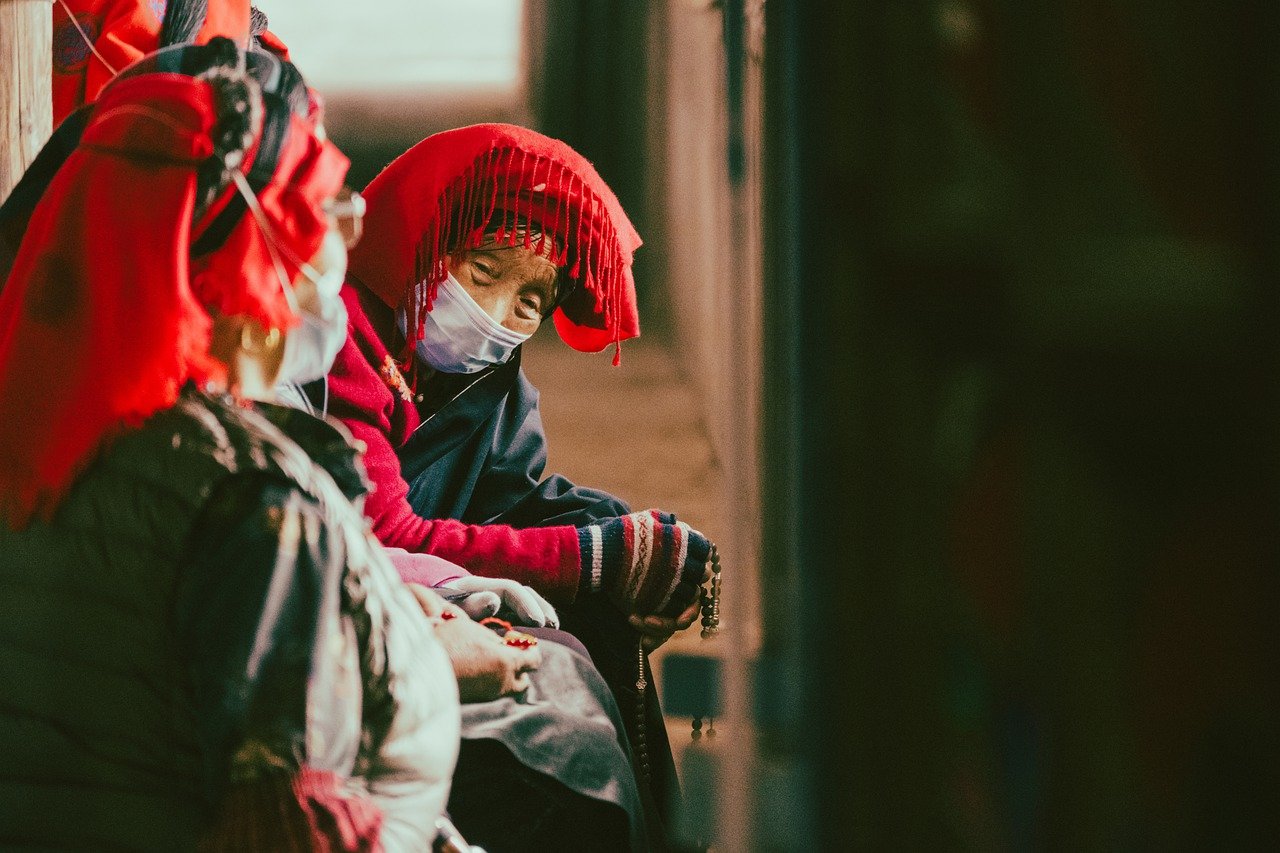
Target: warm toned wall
x=707, y=213
x=26, y=107
x=710, y=237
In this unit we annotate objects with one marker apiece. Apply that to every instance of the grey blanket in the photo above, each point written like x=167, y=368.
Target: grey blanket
x=566, y=726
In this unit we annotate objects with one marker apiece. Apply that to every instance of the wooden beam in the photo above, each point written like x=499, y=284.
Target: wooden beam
x=26, y=99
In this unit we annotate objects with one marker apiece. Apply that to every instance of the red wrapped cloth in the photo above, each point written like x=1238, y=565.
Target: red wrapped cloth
x=107, y=36
x=103, y=316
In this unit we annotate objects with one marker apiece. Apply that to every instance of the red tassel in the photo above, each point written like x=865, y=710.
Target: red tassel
x=562, y=223
x=542, y=203
x=479, y=194
x=454, y=194
x=594, y=262
x=417, y=269
x=556, y=240
x=464, y=209
x=491, y=164
x=546, y=199
x=528, y=210
x=472, y=228
x=576, y=193
x=508, y=204
x=500, y=193
x=589, y=272
x=521, y=216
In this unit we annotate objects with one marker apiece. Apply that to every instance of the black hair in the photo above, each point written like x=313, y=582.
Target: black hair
x=238, y=100
x=183, y=20
x=281, y=93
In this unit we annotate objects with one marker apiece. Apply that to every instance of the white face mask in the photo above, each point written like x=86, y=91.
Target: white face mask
x=459, y=335
x=312, y=345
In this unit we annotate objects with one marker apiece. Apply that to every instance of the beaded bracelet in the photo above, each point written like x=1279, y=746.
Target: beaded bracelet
x=510, y=636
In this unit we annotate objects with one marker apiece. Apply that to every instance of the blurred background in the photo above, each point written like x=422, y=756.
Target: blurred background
x=961, y=341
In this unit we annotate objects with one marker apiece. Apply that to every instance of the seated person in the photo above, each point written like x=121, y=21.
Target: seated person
x=472, y=238
x=197, y=622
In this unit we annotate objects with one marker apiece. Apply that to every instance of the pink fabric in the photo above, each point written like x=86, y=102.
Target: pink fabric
x=425, y=569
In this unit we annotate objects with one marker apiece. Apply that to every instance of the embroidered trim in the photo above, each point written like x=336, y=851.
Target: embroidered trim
x=644, y=533
x=390, y=373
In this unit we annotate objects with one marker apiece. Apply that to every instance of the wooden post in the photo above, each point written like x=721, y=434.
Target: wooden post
x=26, y=99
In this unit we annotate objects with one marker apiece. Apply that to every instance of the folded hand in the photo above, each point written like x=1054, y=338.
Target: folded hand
x=485, y=666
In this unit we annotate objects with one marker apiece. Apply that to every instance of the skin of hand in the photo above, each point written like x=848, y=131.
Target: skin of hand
x=656, y=630
x=485, y=666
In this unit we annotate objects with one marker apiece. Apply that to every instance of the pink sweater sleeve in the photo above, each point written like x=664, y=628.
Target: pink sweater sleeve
x=545, y=558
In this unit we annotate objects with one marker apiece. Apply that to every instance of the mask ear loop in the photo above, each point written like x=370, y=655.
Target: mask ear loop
x=251, y=200
x=303, y=266
x=85, y=37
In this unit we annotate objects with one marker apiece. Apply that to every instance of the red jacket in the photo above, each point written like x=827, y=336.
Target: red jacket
x=379, y=409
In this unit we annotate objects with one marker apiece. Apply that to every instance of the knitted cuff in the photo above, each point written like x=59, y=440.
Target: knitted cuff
x=593, y=546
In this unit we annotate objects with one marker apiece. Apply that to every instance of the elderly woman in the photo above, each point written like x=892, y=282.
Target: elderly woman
x=472, y=239
x=201, y=639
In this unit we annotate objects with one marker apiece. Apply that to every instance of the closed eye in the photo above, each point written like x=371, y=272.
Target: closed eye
x=532, y=303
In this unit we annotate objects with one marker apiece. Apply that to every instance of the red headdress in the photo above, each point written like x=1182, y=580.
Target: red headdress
x=106, y=36
x=103, y=319
x=452, y=188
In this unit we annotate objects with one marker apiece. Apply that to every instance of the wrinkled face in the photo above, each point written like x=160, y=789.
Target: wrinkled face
x=514, y=285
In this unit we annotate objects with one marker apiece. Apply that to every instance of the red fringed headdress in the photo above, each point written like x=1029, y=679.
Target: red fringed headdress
x=452, y=188
x=102, y=319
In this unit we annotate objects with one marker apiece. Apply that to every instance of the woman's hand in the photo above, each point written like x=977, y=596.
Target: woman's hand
x=656, y=630
x=485, y=666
